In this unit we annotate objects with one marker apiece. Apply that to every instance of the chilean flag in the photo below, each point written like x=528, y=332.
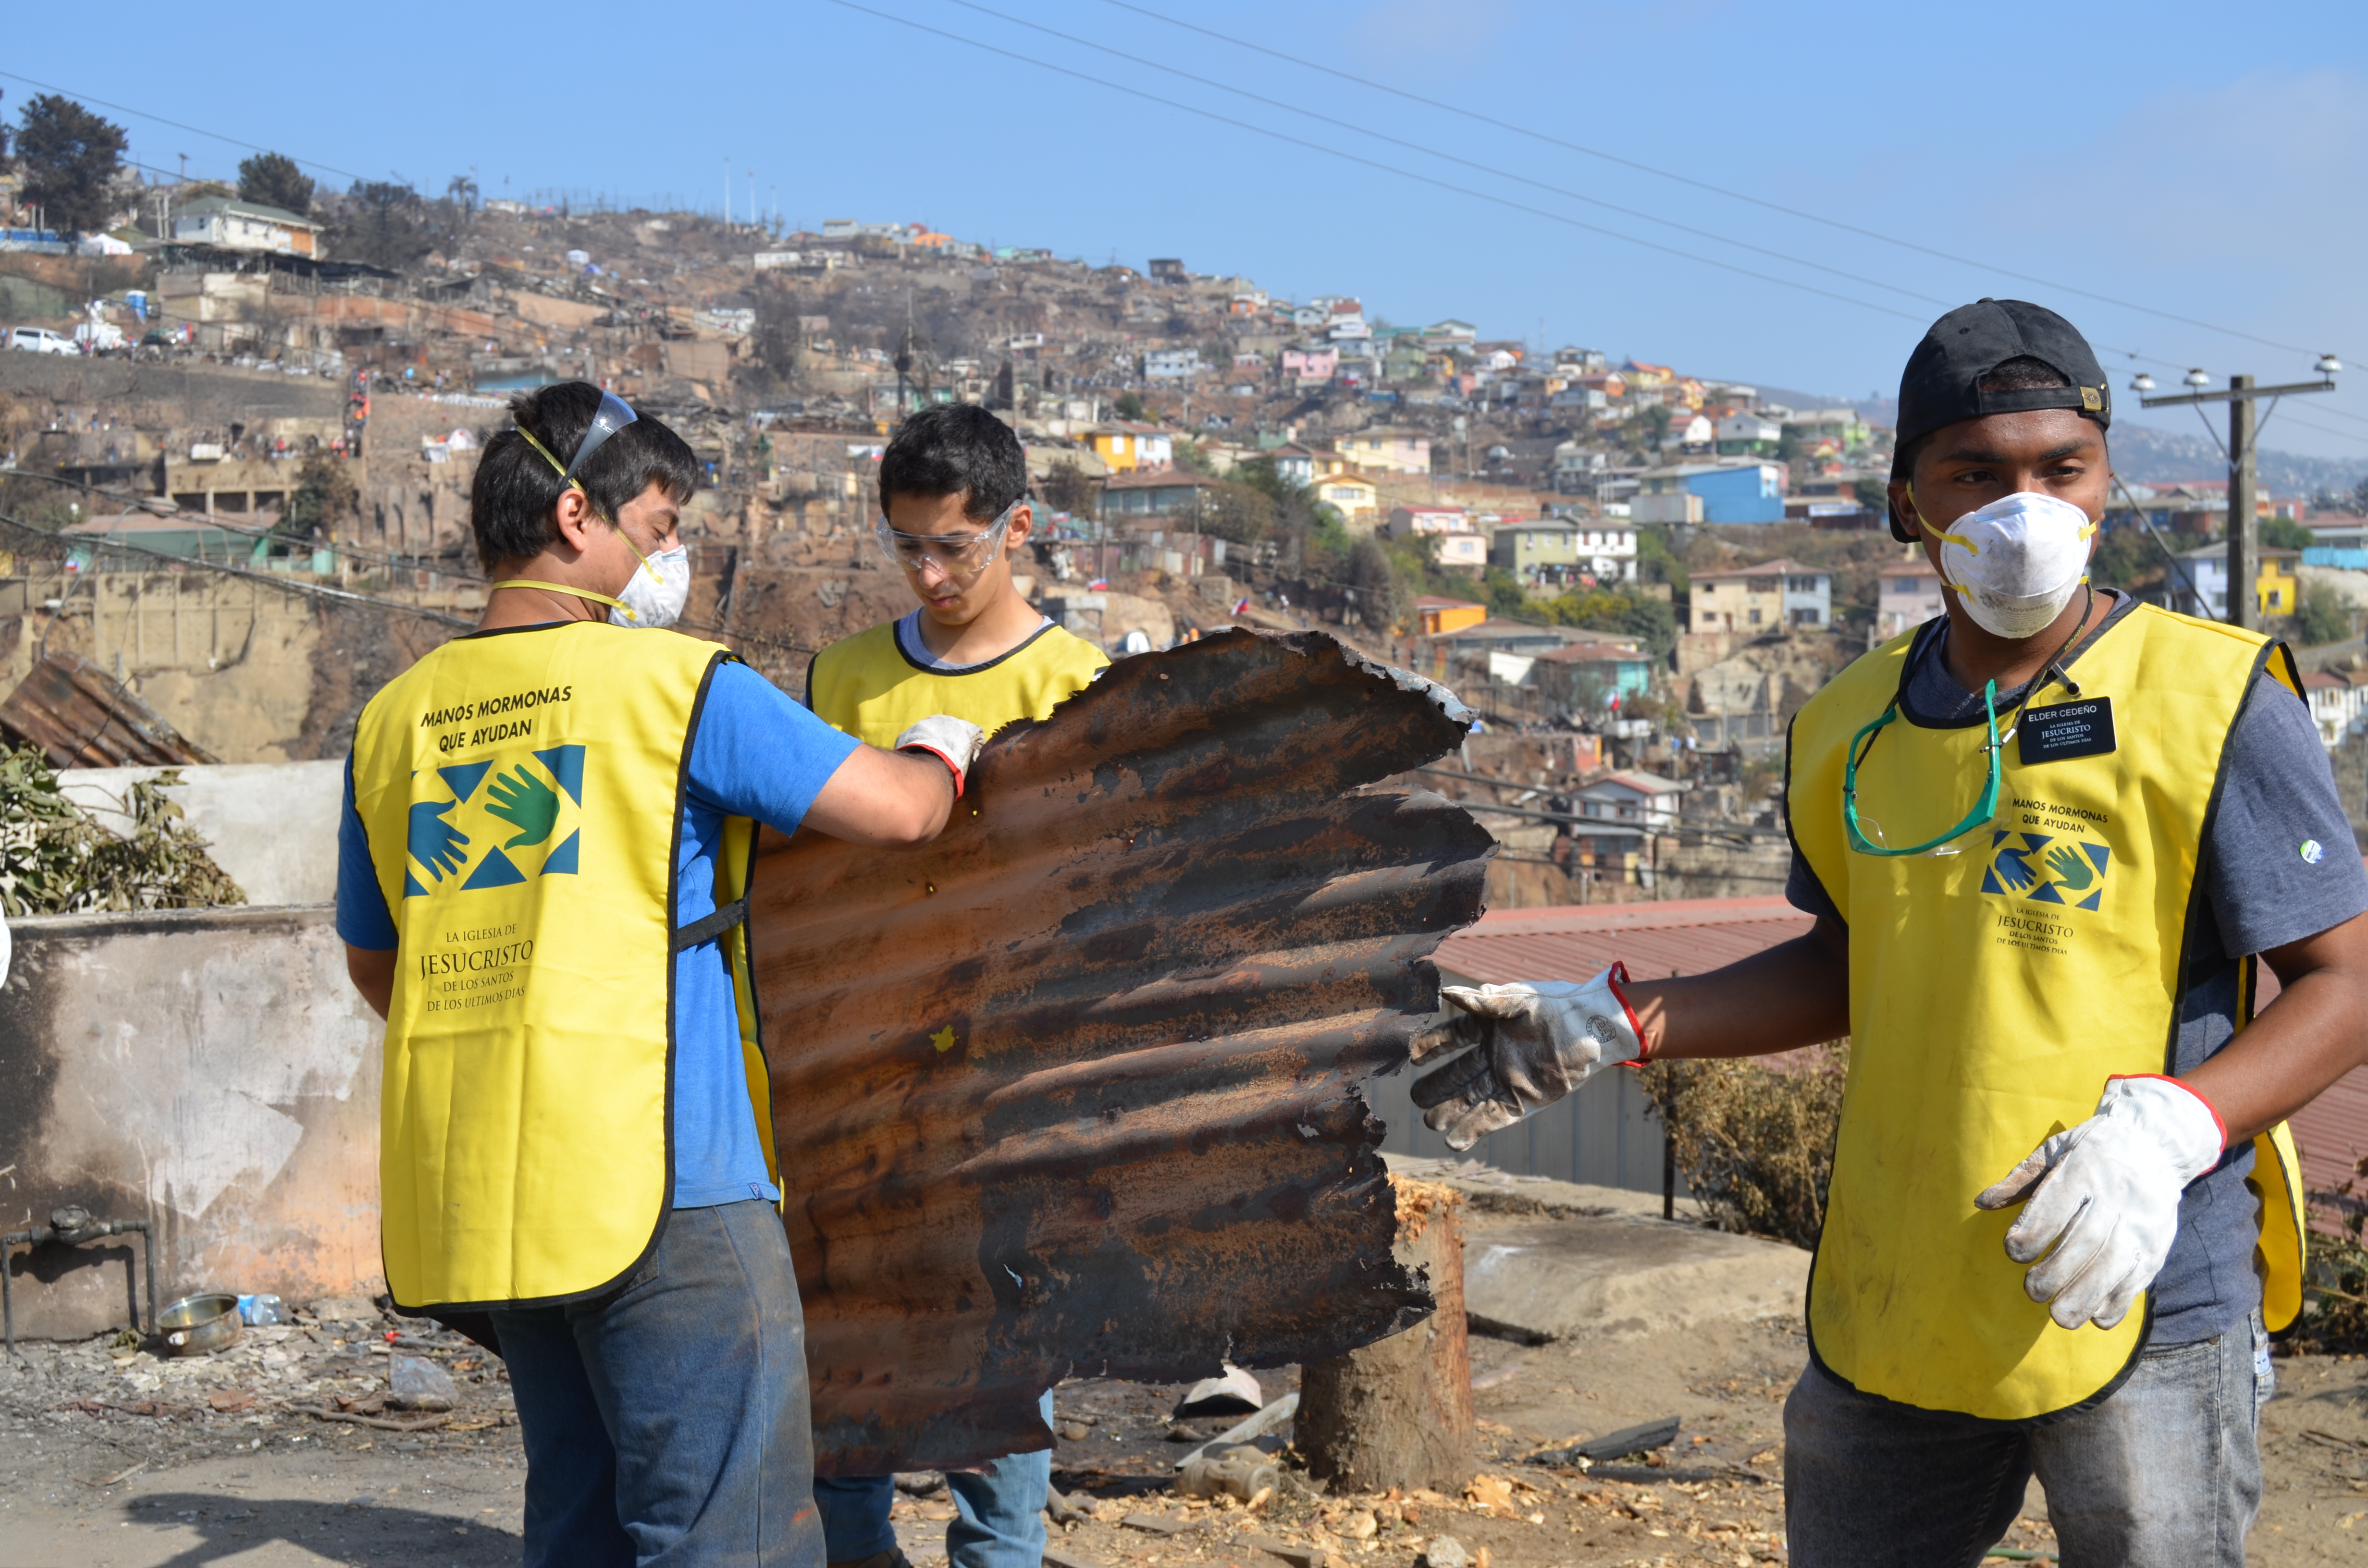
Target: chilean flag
x=1242, y=606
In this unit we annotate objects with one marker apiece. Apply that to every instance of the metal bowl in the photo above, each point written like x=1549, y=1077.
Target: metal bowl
x=197, y=1325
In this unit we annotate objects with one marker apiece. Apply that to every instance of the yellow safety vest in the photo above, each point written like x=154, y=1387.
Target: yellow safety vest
x=519, y=790
x=867, y=687
x=1993, y=991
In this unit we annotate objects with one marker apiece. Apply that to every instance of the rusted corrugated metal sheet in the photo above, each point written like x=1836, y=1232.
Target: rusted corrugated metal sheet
x=82, y=717
x=1077, y=1087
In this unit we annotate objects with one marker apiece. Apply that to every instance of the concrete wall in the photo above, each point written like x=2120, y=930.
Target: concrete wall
x=273, y=826
x=213, y=1071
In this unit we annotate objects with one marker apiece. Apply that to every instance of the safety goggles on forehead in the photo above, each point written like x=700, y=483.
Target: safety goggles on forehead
x=613, y=416
x=958, y=555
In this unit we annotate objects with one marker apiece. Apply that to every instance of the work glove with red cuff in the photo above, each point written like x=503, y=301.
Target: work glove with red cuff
x=2104, y=1195
x=954, y=742
x=1531, y=1044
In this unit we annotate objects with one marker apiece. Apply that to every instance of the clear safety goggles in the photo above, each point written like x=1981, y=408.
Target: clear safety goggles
x=1866, y=834
x=957, y=555
x=613, y=415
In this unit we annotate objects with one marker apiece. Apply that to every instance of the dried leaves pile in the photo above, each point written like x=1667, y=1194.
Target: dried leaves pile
x=54, y=859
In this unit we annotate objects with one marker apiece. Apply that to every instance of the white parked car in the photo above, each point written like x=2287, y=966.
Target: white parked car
x=39, y=341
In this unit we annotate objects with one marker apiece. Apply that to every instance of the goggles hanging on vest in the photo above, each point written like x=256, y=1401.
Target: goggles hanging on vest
x=1974, y=819
x=2053, y=670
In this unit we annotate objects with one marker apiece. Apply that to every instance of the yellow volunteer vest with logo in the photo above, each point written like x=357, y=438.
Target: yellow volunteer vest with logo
x=519, y=790
x=1994, y=990
x=867, y=687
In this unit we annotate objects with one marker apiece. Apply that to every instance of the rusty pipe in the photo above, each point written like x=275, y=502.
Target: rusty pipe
x=71, y=1226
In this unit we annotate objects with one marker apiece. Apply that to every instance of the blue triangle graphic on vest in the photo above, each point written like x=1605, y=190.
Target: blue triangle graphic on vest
x=494, y=871
x=411, y=888
x=462, y=781
x=566, y=765
x=562, y=860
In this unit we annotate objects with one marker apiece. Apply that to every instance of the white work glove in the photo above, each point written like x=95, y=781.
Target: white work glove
x=954, y=742
x=2105, y=1195
x=1532, y=1044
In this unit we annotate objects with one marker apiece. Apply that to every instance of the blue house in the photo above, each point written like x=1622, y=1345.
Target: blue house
x=1710, y=493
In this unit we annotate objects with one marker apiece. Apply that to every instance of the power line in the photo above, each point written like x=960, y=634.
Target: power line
x=1449, y=157
x=1376, y=164
x=195, y=131
x=1700, y=185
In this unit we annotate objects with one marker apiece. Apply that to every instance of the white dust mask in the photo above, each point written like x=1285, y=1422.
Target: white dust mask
x=2016, y=561
x=657, y=592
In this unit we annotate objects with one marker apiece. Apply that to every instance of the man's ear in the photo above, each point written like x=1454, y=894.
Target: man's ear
x=1903, y=512
x=1023, y=523
x=575, y=519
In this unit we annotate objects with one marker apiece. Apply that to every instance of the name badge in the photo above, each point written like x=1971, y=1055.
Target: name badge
x=2068, y=730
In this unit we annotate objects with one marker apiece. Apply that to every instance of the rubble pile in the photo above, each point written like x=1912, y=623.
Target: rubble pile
x=343, y=1372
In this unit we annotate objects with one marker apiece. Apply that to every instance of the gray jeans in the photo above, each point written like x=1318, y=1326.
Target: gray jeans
x=2167, y=1470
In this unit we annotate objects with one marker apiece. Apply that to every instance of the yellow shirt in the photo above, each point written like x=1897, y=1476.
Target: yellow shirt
x=874, y=686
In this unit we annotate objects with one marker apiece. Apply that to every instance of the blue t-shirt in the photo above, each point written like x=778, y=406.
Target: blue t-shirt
x=2277, y=794
x=755, y=753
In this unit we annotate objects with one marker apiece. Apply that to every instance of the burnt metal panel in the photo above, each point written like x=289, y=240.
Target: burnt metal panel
x=82, y=717
x=1076, y=1087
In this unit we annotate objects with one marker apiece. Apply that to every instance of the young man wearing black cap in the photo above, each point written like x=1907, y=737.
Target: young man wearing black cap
x=2042, y=836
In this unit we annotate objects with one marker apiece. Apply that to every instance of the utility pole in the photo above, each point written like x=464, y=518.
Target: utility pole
x=2244, y=527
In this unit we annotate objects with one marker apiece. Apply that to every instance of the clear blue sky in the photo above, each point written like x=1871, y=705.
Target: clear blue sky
x=2201, y=159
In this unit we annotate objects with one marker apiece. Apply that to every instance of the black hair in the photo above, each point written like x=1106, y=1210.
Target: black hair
x=956, y=448
x=514, y=500
x=2021, y=373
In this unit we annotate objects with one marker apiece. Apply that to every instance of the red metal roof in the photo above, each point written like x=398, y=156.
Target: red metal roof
x=1654, y=940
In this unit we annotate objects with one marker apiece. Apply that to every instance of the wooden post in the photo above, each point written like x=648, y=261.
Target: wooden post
x=1398, y=1413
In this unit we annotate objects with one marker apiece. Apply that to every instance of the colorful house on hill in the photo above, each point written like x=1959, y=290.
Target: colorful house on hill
x=1435, y=615
x=1353, y=496
x=1127, y=447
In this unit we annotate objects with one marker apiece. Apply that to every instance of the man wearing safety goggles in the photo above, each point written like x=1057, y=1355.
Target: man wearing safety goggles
x=542, y=882
x=953, y=488
x=2043, y=835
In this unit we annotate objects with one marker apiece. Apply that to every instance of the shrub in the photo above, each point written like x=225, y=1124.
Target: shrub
x=1756, y=1143
x=2335, y=1290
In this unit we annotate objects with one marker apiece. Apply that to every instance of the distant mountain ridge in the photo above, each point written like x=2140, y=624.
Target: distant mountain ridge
x=2144, y=454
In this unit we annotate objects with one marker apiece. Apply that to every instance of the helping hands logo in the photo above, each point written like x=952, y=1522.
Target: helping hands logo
x=2046, y=868
x=521, y=809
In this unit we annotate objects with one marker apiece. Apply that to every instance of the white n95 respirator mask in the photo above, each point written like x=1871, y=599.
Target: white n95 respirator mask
x=657, y=592
x=2016, y=561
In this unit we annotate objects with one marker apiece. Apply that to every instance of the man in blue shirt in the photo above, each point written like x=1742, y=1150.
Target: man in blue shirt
x=665, y=1409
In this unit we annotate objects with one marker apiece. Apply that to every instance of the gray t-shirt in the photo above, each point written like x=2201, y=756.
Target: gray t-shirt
x=2277, y=794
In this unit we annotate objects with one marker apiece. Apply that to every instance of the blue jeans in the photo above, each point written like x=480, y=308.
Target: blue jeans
x=998, y=1512
x=667, y=1422
x=2167, y=1470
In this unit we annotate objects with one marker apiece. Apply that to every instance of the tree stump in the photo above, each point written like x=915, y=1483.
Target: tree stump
x=1398, y=1412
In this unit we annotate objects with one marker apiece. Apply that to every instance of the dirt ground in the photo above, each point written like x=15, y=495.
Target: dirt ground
x=111, y=1457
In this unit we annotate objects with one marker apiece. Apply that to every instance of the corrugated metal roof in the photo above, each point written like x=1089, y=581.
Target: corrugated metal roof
x=82, y=717
x=1654, y=940
x=1076, y=1087
x=2331, y=1133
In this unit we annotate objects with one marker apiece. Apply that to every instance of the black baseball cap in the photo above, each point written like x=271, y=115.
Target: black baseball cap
x=1942, y=383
